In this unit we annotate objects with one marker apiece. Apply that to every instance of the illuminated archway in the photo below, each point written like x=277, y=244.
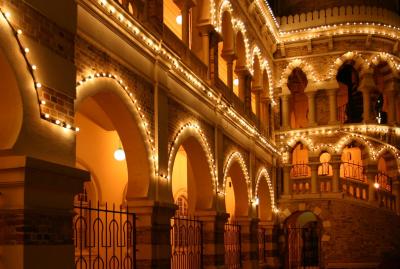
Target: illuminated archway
x=108, y=116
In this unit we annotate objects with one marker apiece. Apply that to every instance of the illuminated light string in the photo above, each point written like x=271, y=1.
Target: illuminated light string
x=236, y=156
x=192, y=129
x=337, y=148
x=263, y=173
x=297, y=63
x=176, y=64
x=138, y=110
x=32, y=68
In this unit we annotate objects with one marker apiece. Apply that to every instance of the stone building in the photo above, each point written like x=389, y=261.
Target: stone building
x=199, y=134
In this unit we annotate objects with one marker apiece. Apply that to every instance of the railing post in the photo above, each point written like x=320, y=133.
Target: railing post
x=285, y=112
x=371, y=171
x=314, y=176
x=336, y=162
x=311, y=109
x=332, y=94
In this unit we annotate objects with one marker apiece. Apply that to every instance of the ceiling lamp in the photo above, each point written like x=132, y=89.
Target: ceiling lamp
x=179, y=19
x=119, y=154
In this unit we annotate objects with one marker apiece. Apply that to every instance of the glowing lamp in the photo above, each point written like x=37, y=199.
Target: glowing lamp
x=119, y=154
x=179, y=19
x=376, y=185
x=236, y=82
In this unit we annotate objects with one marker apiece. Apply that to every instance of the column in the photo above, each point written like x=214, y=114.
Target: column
x=285, y=112
x=272, y=255
x=314, y=177
x=332, y=94
x=185, y=9
x=265, y=117
x=391, y=113
x=371, y=171
x=311, y=109
x=335, y=176
x=153, y=226
x=286, y=180
x=213, y=238
x=229, y=57
x=396, y=193
x=257, y=92
x=242, y=84
x=249, y=241
x=36, y=211
x=366, y=105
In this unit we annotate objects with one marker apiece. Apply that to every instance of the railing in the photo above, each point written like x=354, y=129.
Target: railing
x=384, y=181
x=262, y=243
x=186, y=243
x=325, y=184
x=300, y=170
x=341, y=114
x=386, y=199
x=353, y=171
x=104, y=238
x=233, y=246
x=337, y=15
x=355, y=189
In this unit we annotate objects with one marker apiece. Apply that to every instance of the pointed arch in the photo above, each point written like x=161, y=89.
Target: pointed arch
x=237, y=157
x=307, y=69
x=376, y=59
x=123, y=111
x=263, y=173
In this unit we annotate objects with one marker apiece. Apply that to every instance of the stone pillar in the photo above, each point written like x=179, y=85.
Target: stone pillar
x=153, y=226
x=205, y=33
x=371, y=172
x=285, y=112
x=229, y=57
x=272, y=255
x=185, y=9
x=391, y=107
x=332, y=94
x=311, y=109
x=314, y=176
x=36, y=213
x=257, y=92
x=249, y=241
x=265, y=117
x=336, y=175
x=366, y=86
x=213, y=238
x=286, y=180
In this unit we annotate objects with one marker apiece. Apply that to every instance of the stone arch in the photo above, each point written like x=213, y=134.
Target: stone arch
x=94, y=185
x=298, y=63
x=359, y=63
x=240, y=50
x=225, y=7
x=376, y=59
x=265, y=211
x=201, y=162
x=235, y=168
x=342, y=143
x=119, y=106
x=390, y=154
x=228, y=35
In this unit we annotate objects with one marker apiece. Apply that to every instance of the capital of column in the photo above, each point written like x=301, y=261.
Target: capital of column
x=257, y=89
x=228, y=55
x=242, y=71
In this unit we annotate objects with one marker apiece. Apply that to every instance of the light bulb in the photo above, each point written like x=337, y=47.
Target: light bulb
x=119, y=154
x=376, y=185
x=236, y=82
x=179, y=19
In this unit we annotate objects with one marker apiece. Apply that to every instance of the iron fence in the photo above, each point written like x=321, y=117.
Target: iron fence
x=186, y=243
x=233, y=246
x=104, y=238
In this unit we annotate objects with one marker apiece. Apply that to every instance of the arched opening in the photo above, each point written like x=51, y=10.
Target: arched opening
x=10, y=105
x=110, y=143
x=264, y=200
x=265, y=109
x=349, y=98
x=300, y=172
x=303, y=240
x=379, y=99
x=297, y=83
x=173, y=17
x=236, y=192
x=191, y=177
x=325, y=170
x=354, y=180
x=387, y=172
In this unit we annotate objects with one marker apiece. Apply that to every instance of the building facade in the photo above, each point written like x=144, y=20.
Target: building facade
x=199, y=134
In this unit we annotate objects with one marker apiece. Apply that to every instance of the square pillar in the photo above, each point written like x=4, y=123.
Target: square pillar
x=36, y=213
x=249, y=241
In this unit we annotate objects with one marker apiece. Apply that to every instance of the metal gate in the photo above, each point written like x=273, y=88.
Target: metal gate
x=104, y=238
x=303, y=246
x=233, y=246
x=186, y=243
